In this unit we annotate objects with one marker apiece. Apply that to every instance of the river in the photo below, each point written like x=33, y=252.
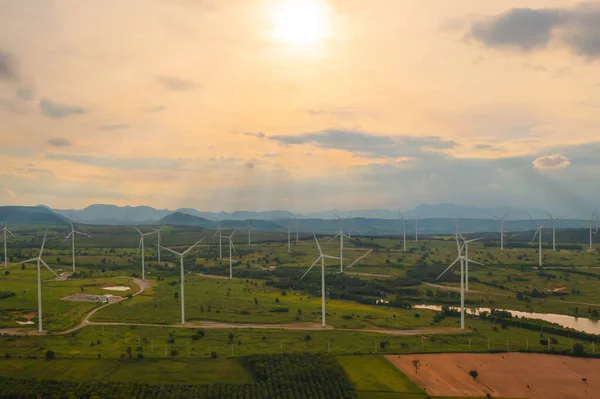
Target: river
x=577, y=323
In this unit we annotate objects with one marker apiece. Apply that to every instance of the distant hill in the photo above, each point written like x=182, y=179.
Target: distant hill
x=113, y=215
x=30, y=215
x=183, y=219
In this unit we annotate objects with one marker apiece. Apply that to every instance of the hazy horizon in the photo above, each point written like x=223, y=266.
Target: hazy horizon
x=309, y=105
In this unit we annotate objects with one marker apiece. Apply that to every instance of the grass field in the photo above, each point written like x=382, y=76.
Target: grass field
x=376, y=375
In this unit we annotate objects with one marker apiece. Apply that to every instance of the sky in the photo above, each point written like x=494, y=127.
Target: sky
x=300, y=105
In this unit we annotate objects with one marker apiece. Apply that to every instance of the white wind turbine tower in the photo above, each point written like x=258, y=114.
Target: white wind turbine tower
x=289, y=237
x=296, y=224
x=181, y=255
x=501, y=229
x=72, y=235
x=159, y=241
x=404, y=234
x=417, y=228
x=462, y=259
x=4, y=231
x=538, y=232
x=341, y=235
x=553, y=230
x=231, y=247
x=40, y=261
x=249, y=233
x=591, y=226
x=218, y=232
x=321, y=258
x=467, y=260
x=142, y=235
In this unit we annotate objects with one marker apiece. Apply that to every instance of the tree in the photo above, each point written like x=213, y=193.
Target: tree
x=417, y=365
x=176, y=295
x=307, y=337
x=50, y=355
x=578, y=349
x=474, y=374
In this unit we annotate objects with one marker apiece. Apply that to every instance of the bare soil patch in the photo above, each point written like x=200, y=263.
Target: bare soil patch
x=509, y=375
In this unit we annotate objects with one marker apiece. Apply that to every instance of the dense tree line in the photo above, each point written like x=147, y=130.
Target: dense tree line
x=293, y=376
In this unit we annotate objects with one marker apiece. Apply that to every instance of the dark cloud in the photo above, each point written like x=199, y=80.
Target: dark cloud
x=368, y=145
x=487, y=147
x=157, y=108
x=249, y=164
x=53, y=109
x=8, y=67
x=260, y=135
x=59, y=142
x=176, y=84
x=528, y=29
x=114, y=127
x=24, y=94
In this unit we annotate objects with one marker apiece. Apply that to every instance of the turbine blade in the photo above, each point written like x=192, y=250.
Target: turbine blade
x=531, y=217
x=67, y=237
x=507, y=213
x=139, y=246
x=170, y=250
x=233, y=233
x=476, y=239
x=458, y=245
x=535, y=235
x=26, y=261
x=477, y=263
x=448, y=268
x=549, y=215
x=43, y=243
x=232, y=246
x=318, y=245
x=336, y=215
x=48, y=267
x=311, y=266
x=350, y=217
x=10, y=232
x=138, y=230
x=190, y=248
x=336, y=236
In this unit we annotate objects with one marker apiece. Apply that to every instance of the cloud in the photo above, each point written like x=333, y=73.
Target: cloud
x=555, y=161
x=487, y=147
x=249, y=164
x=10, y=192
x=271, y=155
x=157, y=108
x=8, y=67
x=260, y=135
x=120, y=163
x=114, y=127
x=24, y=94
x=53, y=109
x=176, y=84
x=367, y=144
x=526, y=29
x=59, y=142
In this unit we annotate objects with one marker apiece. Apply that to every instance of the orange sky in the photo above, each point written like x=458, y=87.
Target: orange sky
x=152, y=101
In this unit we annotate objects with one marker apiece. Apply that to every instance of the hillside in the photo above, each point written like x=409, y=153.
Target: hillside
x=30, y=215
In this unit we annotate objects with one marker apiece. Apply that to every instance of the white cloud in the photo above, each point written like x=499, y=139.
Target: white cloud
x=554, y=161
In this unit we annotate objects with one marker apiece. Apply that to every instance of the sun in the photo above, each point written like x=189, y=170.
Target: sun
x=299, y=22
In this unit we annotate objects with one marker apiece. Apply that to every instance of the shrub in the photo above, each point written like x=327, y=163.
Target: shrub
x=50, y=355
x=473, y=374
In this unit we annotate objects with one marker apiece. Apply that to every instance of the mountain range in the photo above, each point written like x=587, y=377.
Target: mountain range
x=433, y=219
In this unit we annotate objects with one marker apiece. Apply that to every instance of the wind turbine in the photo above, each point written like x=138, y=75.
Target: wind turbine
x=538, y=232
x=591, y=226
x=40, y=261
x=467, y=260
x=4, y=231
x=296, y=223
x=462, y=259
x=417, y=228
x=321, y=258
x=289, y=238
x=218, y=232
x=553, y=230
x=142, y=235
x=249, y=233
x=341, y=235
x=230, y=238
x=181, y=255
x=158, y=241
x=72, y=235
x=501, y=229
x=404, y=236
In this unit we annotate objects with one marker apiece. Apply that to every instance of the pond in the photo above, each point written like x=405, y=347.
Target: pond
x=577, y=323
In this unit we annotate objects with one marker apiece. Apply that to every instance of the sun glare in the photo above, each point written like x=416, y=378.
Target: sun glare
x=299, y=22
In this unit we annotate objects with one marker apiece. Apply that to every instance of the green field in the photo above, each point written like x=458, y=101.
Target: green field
x=152, y=371
x=376, y=375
